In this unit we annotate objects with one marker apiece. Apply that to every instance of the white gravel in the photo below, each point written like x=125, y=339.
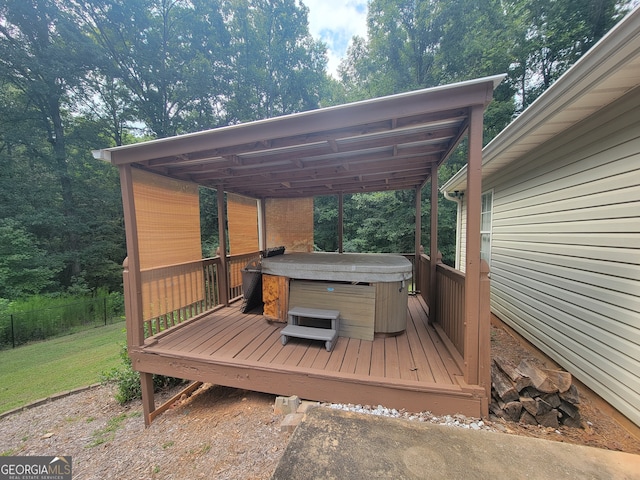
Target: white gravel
x=457, y=420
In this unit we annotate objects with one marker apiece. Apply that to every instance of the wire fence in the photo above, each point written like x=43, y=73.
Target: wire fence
x=20, y=328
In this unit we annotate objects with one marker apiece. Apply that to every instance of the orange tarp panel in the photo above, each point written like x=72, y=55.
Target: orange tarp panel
x=289, y=222
x=168, y=218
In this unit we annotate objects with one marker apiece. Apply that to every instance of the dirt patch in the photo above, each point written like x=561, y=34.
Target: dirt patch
x=217, y=433
x=600, y=429
x=221, y=432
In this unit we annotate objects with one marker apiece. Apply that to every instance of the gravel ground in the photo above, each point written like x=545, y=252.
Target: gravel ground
x=225, y=433
x=217, y=433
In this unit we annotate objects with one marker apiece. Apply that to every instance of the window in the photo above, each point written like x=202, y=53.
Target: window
x=485, y=226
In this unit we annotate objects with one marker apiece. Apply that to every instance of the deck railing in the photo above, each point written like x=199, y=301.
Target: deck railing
x=424, y=278
x=235, y=264
x=468, y=336
x=172, y=294
x=450, y=285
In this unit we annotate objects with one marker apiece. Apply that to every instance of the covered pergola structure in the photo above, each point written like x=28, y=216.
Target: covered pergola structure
x=389, y=143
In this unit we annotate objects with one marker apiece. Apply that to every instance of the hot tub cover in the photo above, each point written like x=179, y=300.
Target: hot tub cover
x=348, y=267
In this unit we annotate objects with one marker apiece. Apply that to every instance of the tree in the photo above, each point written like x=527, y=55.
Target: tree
x=551, y=35
x=169, y=55
x=381, y=222
x=399, y=56
x=44, y=56
x=25, y=268
x=278, y=68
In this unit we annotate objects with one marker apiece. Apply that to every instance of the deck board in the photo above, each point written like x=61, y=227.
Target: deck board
x=309, y=357
x=225, y=340
x=437, y=366
x=351, y=356
x=391, y=364
x=418, y=355
x=255, y=344
x=377, y=359
x=334, y=364
x=363, y=364
x=405, y=359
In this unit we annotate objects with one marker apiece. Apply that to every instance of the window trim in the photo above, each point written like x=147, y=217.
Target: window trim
x=488, y=232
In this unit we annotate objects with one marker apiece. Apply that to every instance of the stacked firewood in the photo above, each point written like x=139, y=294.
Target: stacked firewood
x=532, y=395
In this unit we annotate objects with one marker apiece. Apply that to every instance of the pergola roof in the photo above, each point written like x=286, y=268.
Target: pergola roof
x=387, y=143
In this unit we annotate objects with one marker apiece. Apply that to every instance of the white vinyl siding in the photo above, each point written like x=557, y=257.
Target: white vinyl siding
x=565, y=264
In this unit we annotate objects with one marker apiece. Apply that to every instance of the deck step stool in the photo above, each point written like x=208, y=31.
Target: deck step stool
x=294, y=329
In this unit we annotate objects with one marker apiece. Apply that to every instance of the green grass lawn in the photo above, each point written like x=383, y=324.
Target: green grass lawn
x=41, y=369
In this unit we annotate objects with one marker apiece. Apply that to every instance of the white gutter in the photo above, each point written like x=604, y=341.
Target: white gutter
x=101, y=155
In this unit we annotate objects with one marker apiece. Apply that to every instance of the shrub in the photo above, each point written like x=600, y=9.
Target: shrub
x=127, y=380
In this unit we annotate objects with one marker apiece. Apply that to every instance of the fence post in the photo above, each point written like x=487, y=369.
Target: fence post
x=13, y=334
x=105, y=311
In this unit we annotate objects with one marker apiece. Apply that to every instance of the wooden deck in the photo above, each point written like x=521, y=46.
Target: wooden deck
x=416, y=370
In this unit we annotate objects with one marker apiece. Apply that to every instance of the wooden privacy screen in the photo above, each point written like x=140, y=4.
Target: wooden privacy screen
x=242, y=219
x=289, y=222
x=168, y=219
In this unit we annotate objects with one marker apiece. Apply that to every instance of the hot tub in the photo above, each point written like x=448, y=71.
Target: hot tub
x=369, y=290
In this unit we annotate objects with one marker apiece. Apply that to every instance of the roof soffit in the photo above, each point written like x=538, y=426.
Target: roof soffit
x=381, y=144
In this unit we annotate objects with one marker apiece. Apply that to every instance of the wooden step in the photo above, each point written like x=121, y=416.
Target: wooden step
x=327, y=335
x=314, y=313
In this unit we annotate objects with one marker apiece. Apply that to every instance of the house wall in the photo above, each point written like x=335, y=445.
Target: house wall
x=565, y=270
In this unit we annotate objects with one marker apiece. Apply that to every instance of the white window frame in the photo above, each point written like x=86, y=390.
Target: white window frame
x=483, y=254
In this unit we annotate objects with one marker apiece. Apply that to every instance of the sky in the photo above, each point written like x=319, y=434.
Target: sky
x=335, y=22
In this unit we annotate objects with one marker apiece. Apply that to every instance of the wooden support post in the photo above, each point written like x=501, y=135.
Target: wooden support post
x=148, y=401
x=262, y=228
x=472, y=272
x=128, y=299
x=433, y=249
x=131, y=273
x=416, y=262
x=484, y=335
x=340, y=222
x=222, y=235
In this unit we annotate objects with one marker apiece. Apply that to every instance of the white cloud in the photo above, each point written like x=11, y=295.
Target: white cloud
x=335, y=22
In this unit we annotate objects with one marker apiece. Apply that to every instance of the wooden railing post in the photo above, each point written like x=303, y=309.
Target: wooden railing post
x=135, y=328
x=484, y=335
x=433, y=287
x=222, y=236
x=425, y=277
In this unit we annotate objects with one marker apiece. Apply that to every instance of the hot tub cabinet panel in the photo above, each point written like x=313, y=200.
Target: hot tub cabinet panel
x=369, y=290
x=391, y=307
